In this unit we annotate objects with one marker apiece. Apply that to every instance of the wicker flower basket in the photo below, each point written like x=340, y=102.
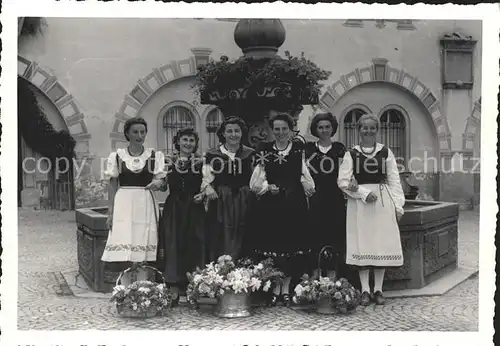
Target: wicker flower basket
x=125, y=310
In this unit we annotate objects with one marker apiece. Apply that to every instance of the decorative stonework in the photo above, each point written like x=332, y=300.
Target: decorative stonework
x=48, y=84
x=472, y=127
x=149, y=85
x=381, y=71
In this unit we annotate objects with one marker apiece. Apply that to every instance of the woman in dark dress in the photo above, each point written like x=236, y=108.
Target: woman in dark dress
x=226, y=176
x=181, y=231
x=282, y=181
x=327, y=207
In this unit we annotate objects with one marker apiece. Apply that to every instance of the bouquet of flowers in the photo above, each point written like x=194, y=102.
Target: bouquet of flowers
x=264, y=271
x=341, y=295
x=142, y=299
x=217, y=278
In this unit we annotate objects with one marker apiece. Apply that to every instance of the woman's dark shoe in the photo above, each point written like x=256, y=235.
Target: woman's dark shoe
x=273, y=300
x=365, y=298
x=378, y=298
x=287, y=300
x=175, y=300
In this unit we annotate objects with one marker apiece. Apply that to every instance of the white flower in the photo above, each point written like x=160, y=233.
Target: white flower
x=134, y=306
x=260, y=266
x=144, y=290
x=267, y=286
x=337, y=283
x=147, y=302
x=347, y=298
x=299, y=289
x=197, y=278
x=224, y=258
x=255, y=284
x=160, y=287
x=204, y=288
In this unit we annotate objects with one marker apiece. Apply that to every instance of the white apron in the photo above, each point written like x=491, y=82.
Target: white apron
x=372, y=236
x=134, y=234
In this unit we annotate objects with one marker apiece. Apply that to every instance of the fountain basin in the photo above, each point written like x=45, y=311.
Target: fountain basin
x=429, y=236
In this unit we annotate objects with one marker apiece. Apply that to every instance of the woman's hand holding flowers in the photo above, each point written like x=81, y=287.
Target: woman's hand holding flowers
x=199, y=197
x=309, y=191
x=210, y=193
x=353, y=185
x=155, y=185
x=274, y=189
x=371, y=197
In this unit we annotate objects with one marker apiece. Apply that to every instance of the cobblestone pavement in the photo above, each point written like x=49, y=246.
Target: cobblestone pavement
x=47, y=247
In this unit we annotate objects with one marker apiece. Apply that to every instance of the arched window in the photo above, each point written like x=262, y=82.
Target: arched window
x=176, y=118
x=214, y=120
x=393, y=133
x=351, y=133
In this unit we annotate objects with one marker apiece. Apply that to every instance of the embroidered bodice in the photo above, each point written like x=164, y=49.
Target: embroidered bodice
x=283, y=167
x=324, y=164
x=369, y=170
x=135, y=170
x=228, y=169
x=184, y=176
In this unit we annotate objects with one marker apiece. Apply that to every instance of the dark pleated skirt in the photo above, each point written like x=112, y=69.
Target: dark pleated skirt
x=227, y=221
x=327, y=213
x=280, y=231
x=182, y=238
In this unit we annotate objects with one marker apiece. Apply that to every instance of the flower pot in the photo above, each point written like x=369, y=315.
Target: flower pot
x=324, y=306
x=233, y=305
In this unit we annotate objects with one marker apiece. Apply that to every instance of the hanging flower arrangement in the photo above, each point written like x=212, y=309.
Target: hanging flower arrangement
x=301, y=76
x=36, y=129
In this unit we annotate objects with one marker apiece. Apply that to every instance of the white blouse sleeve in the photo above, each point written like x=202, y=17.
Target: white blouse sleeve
x=394, y=183
x=259, y=180
x=345, y=176
x=306, y=179
x=111, y=166
x=159, y=171
x=208, y=176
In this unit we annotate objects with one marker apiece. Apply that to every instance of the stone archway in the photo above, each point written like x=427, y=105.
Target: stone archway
x=381, y=71
x=47, y=83
x=145, y=88
x=49, y=189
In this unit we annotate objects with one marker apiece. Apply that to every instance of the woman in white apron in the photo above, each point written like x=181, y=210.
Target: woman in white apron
x=374, y=207
x=134, y=172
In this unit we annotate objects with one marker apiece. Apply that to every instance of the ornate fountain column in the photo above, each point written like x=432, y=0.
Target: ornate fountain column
x=260, y=84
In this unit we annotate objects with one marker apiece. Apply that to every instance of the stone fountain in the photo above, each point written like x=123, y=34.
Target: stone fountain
x=260, y=83
x=429, y=230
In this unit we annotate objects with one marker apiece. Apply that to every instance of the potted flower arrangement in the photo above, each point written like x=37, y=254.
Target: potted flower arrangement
x=329, y=295
x=246, y=77
x=230, y=284
x=141, y=298
x=267, y=273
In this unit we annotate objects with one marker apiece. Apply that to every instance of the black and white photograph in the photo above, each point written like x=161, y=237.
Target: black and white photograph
x=243, y=174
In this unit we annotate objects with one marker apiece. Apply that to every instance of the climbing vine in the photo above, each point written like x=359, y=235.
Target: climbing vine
x=35, y=128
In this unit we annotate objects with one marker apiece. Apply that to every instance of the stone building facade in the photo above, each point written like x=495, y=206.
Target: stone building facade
x=422, y=78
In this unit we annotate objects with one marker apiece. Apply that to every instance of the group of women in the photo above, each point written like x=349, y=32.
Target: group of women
x=286, y=200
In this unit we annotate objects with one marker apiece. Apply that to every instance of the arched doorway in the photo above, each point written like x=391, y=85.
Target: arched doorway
x=45, y=148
